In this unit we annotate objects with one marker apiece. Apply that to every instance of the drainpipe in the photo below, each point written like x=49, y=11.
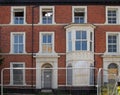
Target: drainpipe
x=32, y=46
x=94, y=60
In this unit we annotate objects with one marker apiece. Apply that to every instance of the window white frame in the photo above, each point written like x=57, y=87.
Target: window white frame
x=118, y=40
x=11, y=72
x=49, y=7
x=81, y=7
x=91, y=41
x=117, y=9
x=73, y=33
x=40, y=40
x=12, y=42
x=12, y=14
x=69, y=41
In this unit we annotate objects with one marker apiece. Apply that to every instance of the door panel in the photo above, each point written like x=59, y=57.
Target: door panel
x=47, y=78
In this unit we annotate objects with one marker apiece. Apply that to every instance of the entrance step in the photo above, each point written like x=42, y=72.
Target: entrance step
x=46, y=90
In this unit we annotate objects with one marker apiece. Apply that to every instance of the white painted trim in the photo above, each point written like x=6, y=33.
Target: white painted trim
x=11, y=72
x=39, y=63
x=73, y=30
x=40, y=42
x=108, y=61
x=83, y=7
x=40, y=16
x=18, y=7
x=118, y=14
x=118, y=40
x=11, y=42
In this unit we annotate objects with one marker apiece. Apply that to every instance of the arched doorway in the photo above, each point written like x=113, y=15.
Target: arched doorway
x=112, y=71
x=46, y=76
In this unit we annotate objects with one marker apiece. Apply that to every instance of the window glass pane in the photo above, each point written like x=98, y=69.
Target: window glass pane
x=16, y=39
x=20, y=38
x=78, y=45
x=49, y=20
x=49, y=38
x=84, y=45
x=78, y=35
x=69, y=41
x=49, y=48
x=113, y=66
x=17, y=65
x=84, y=35
x=69, y=35
x=15, y=48
x=70, y=46
x=44, y=39
x=44, y=48
x=91, y=36
x=69, y=75
x=21, y=20
x=90, y=46
x=21, y=48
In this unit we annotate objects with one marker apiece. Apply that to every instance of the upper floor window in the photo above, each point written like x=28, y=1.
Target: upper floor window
x=47, y=42
x=112, y=43
x=79, y=14
x=112, y=15
x=80, y=37
x=18, y=15
x=18, y=43
x=46, y=15
x=81, y=40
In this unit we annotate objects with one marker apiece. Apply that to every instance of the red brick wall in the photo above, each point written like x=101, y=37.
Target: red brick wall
x=5, y=16
x=63, y=14
x=96, y=14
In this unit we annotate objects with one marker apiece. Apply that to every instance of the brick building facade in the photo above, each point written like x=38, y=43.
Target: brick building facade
x=59, y=36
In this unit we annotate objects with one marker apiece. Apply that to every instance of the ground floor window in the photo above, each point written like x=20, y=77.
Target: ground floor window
x=69, y=75
x=17, y=73
x=92, y=74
